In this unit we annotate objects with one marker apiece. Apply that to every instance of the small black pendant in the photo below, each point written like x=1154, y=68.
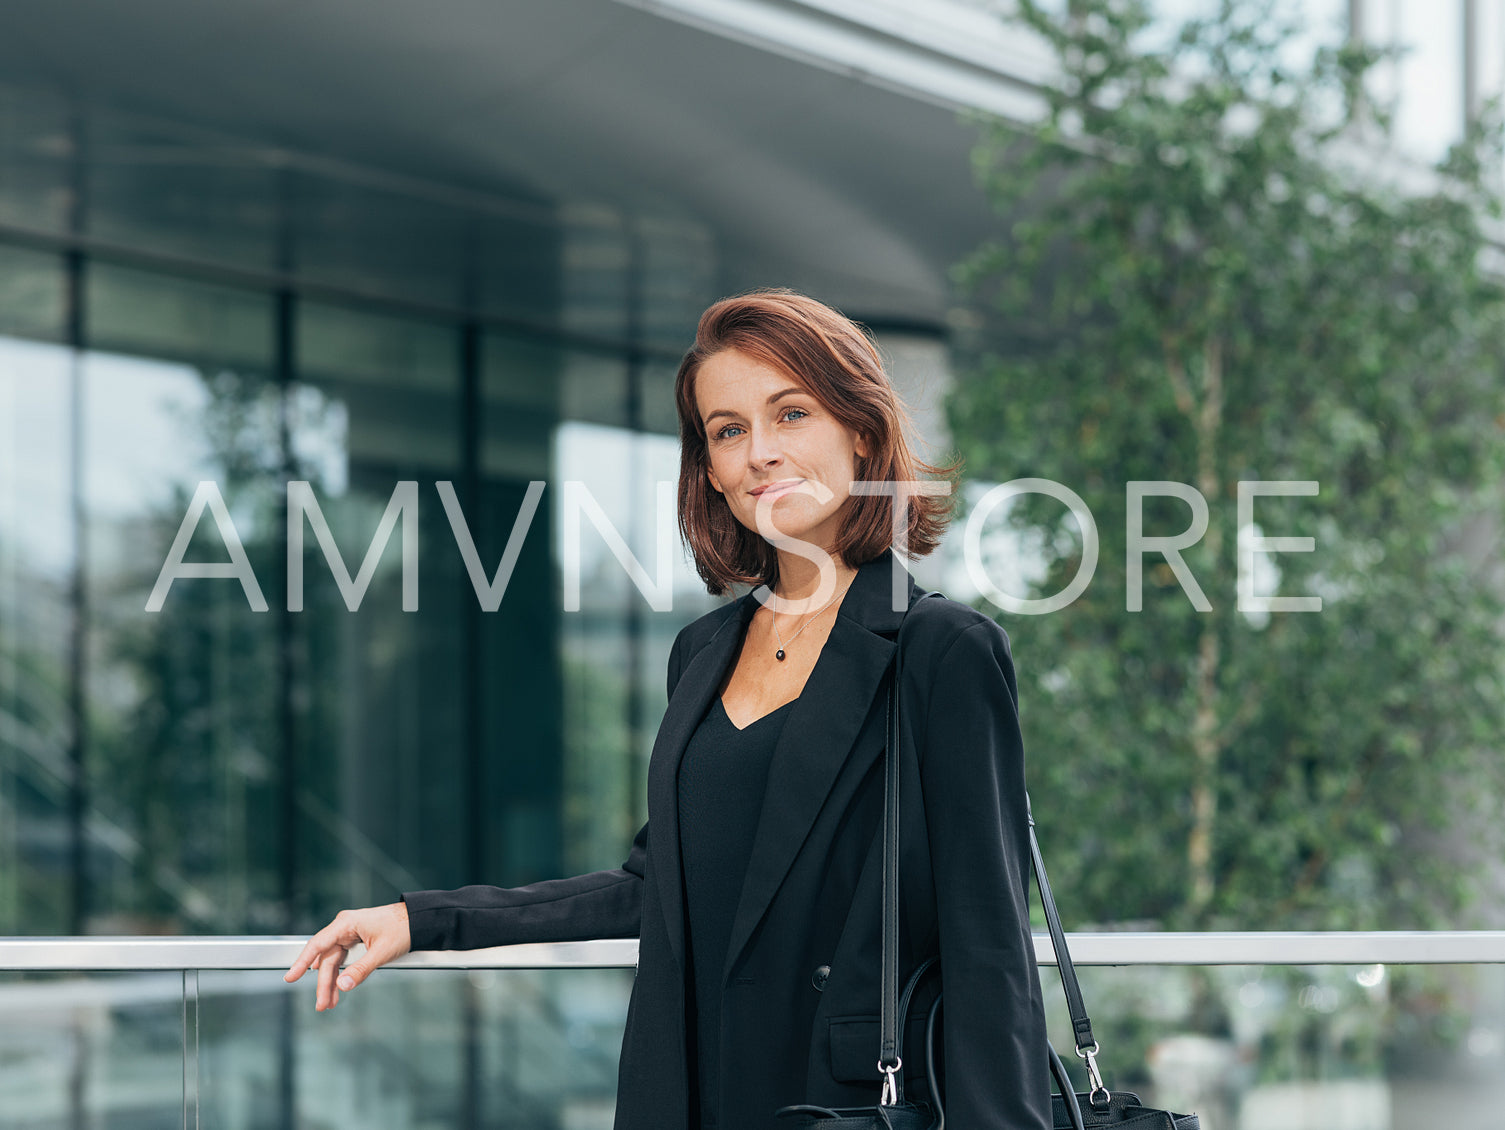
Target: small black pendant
x=779, y=654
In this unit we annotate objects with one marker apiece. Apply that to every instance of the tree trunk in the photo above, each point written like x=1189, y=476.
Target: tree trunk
x=1206, y=415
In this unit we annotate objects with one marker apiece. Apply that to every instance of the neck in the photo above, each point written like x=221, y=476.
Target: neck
x=800, y=579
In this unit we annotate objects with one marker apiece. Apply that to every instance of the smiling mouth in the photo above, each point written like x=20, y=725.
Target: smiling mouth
x=776, y=488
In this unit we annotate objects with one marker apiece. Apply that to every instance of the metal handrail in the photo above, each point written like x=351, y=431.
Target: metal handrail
x=1457, y=947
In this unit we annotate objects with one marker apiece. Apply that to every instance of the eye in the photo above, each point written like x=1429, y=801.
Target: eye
x=731, y=431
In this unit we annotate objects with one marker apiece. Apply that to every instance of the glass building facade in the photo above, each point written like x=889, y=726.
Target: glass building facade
x=178, y=310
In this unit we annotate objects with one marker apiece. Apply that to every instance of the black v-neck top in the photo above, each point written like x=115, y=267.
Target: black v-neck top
x=721, y=780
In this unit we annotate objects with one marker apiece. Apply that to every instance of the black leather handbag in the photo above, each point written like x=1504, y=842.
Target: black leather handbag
x=1098, y=1107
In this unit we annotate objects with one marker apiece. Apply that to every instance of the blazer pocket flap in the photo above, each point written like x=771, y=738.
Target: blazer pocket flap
x=854, y=1048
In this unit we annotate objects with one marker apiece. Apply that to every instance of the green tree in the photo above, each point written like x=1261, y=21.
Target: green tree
x=1203, y=281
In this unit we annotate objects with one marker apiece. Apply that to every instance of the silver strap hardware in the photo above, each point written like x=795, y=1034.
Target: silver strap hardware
x=1093, y=1075
x=890, y=1094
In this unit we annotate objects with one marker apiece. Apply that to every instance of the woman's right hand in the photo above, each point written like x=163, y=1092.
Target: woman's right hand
x=382, y=929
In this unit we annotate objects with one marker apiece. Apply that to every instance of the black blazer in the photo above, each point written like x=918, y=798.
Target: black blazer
x=800, y=986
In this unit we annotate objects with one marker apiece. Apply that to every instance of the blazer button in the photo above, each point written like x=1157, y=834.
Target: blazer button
x=819, y=978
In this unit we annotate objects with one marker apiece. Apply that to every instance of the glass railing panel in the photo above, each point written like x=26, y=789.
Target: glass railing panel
x=1247, y=1047
x=525, y=1049
x=91, y=1049
x=1273, y=1047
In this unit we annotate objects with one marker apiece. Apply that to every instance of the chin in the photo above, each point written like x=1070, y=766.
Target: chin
x=812, y=536
x=789, y=525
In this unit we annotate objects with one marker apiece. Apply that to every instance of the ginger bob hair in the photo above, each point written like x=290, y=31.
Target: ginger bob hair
x=833, y=359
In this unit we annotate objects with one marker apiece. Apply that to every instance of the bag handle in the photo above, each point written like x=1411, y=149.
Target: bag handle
x=1081, y=1024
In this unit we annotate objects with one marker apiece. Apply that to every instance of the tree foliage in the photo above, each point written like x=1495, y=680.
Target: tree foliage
x=1211, y=273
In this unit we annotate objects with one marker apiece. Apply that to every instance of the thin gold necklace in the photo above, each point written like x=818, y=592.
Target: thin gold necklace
x=780, y=653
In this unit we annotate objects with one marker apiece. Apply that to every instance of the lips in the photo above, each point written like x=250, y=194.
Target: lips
x=780, y=487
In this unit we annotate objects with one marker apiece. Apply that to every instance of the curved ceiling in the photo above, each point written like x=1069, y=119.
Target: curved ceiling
x=808, y=177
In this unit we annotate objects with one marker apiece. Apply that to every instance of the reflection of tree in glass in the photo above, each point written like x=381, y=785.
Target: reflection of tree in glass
x=187, y=770
x=35, y=730
x=1202, y=282
x=34, y=767
x=597, y=784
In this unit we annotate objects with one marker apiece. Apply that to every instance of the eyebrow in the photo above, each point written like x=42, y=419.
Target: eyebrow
x=783, y=392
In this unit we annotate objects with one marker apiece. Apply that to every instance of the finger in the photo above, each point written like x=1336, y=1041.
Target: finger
x=306, y=961
x=381, y=948
x=329, y=967
x=309, y=955
x=356, y=972
x=315, y=949
x=306, y=957
x=321, y=987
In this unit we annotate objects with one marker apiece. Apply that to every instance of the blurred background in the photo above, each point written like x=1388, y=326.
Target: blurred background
x=354, y=244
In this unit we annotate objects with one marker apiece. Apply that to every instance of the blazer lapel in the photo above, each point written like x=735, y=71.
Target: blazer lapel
x=813, y=745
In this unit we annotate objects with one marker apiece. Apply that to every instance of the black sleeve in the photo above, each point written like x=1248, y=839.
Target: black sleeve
x=972, y=777
x=602, y=904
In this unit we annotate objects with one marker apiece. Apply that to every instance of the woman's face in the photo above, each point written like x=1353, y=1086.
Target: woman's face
x=784, y=464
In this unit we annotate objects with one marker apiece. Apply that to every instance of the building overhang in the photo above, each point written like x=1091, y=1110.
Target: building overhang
x=823, y=143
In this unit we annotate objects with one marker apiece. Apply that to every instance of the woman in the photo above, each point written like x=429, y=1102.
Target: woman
x=757, y=895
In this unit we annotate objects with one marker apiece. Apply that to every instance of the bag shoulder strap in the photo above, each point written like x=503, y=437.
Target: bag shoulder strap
x=1081, y=1024
x=889, y=1061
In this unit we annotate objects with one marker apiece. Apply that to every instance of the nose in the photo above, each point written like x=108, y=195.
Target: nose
x=763, y=447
